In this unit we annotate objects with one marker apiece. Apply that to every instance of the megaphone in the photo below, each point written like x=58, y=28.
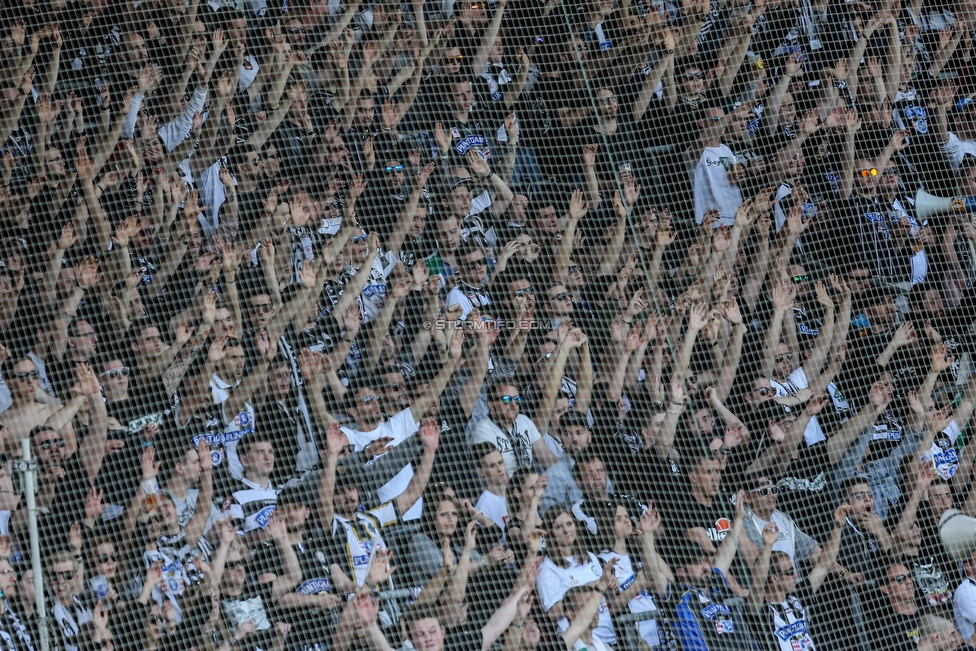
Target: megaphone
x=958, y=533
x=927, y=205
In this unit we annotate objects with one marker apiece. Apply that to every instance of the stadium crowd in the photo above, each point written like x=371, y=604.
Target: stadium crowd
x=456, y=326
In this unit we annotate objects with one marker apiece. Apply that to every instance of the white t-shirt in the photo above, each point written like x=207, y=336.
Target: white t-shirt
x=964, y=608
x=494, y=507
x=554, y=582
x=236, y=426
x=713, y=188
x=399, y=427
x=642, y=602
x=515, y=444
x=468, y=298
x=794, y=382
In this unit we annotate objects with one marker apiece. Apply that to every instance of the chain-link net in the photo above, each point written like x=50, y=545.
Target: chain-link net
x=455, y=326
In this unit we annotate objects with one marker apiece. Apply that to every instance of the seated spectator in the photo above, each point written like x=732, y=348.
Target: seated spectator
x=568, y=563
x=644, y=585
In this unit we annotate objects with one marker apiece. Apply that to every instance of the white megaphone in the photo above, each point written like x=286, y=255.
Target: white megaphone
x=958, y=533
x=927, y=205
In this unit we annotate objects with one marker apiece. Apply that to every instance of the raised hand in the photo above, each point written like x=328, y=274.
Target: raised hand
x=429, y=433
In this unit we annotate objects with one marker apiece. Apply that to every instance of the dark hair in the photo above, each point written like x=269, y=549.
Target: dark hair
x=259, y=435
x=515, y=483
x=467, y=248
x=495, y=387
x=848, y=484
x=586, y=457
x=578, y=553
x=917, y=295
x=481, y=450
x=416, y=613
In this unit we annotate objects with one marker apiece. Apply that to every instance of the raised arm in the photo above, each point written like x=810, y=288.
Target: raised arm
x=829, y=555
x=198, y=521
x=726, y=551
x=429, y=433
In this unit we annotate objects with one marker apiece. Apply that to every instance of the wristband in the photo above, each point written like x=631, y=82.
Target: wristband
x=842, y=573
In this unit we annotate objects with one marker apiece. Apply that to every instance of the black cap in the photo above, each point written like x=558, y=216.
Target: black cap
x=296, y=495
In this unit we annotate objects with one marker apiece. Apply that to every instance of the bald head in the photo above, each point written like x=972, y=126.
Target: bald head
x=937, y=633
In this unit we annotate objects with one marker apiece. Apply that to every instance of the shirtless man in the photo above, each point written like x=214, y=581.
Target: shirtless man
x=27, y=412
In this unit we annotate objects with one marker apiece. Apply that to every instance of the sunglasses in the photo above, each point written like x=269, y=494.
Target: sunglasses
x=105, y=558
x=561, y=296
x=297, y=30
x=900, y=579
x=33, y=375
x=114, y=373
x=396, y=386
x=786, y=356
x=233, y=565
x=507, y=400
x=789, y=572
x=47, y=445
x=356, y=239
x=866, y=173
x=764, y=391
x=394, y=168
x=691, y=76
x=891, y=171
x=155, y=619
x=607, y=100
x=801, y=279
x=766, y=490
x=262, y=308
x=456, y=57
x=523, y=292
x=574, y=269
x=475, y=264
x=370, y=398
x=64, y=576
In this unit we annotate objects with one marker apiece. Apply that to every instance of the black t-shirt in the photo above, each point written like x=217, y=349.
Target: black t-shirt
x=453, y=464
x=68, y=506
x=148, y=406
x=307, y=623
x=253, y=604
x=803, y=491
x=893, y=631
x=716, y=519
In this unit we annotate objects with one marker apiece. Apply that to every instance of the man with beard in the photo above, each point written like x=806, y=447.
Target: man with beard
x=472, y=290
x=135, y=69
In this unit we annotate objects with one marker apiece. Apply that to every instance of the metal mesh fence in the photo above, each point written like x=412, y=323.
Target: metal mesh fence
x=455, y=326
